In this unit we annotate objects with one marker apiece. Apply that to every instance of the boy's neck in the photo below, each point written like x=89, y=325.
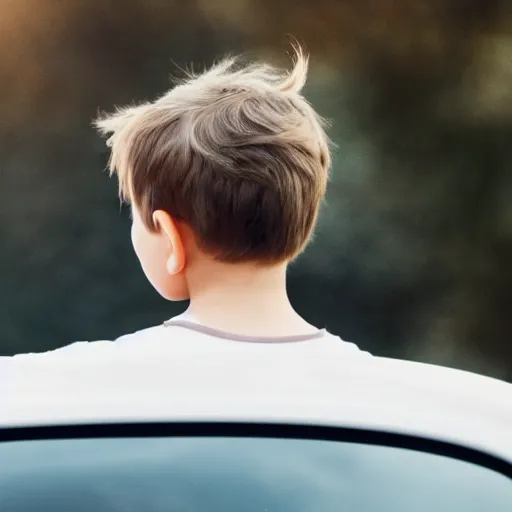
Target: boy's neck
x=244, y=299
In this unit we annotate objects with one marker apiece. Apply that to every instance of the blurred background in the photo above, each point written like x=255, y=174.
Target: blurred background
x=412, y=257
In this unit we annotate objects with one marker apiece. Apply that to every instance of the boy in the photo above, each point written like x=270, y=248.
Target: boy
x=224, y=174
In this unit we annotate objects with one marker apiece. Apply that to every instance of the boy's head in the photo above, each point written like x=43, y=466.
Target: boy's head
x=231, y=164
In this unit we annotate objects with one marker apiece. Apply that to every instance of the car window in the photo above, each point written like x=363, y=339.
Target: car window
x=240, y=474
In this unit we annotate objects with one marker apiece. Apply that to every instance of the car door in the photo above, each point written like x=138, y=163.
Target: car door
x=192, y=467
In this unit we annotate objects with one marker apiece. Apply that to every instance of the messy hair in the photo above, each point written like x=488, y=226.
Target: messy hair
x=235, y=152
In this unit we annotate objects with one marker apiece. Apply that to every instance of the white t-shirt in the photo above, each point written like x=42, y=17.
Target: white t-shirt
x=178, y=360
x=166, y=366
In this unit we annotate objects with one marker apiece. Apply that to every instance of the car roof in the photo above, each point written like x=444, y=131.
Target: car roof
x=371, y=393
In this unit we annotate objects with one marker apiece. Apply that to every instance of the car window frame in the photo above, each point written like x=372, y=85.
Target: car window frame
x=259, y=430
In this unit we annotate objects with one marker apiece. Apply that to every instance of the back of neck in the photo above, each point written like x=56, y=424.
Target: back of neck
x=246, y=299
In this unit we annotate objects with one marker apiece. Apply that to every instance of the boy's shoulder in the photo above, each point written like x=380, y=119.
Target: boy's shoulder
x=82, y=348
x=149, y=333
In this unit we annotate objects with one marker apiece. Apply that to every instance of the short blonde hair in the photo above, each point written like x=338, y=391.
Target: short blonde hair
x=236, y=152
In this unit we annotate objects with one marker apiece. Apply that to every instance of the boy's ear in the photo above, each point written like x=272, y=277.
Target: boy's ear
x=167, y=228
